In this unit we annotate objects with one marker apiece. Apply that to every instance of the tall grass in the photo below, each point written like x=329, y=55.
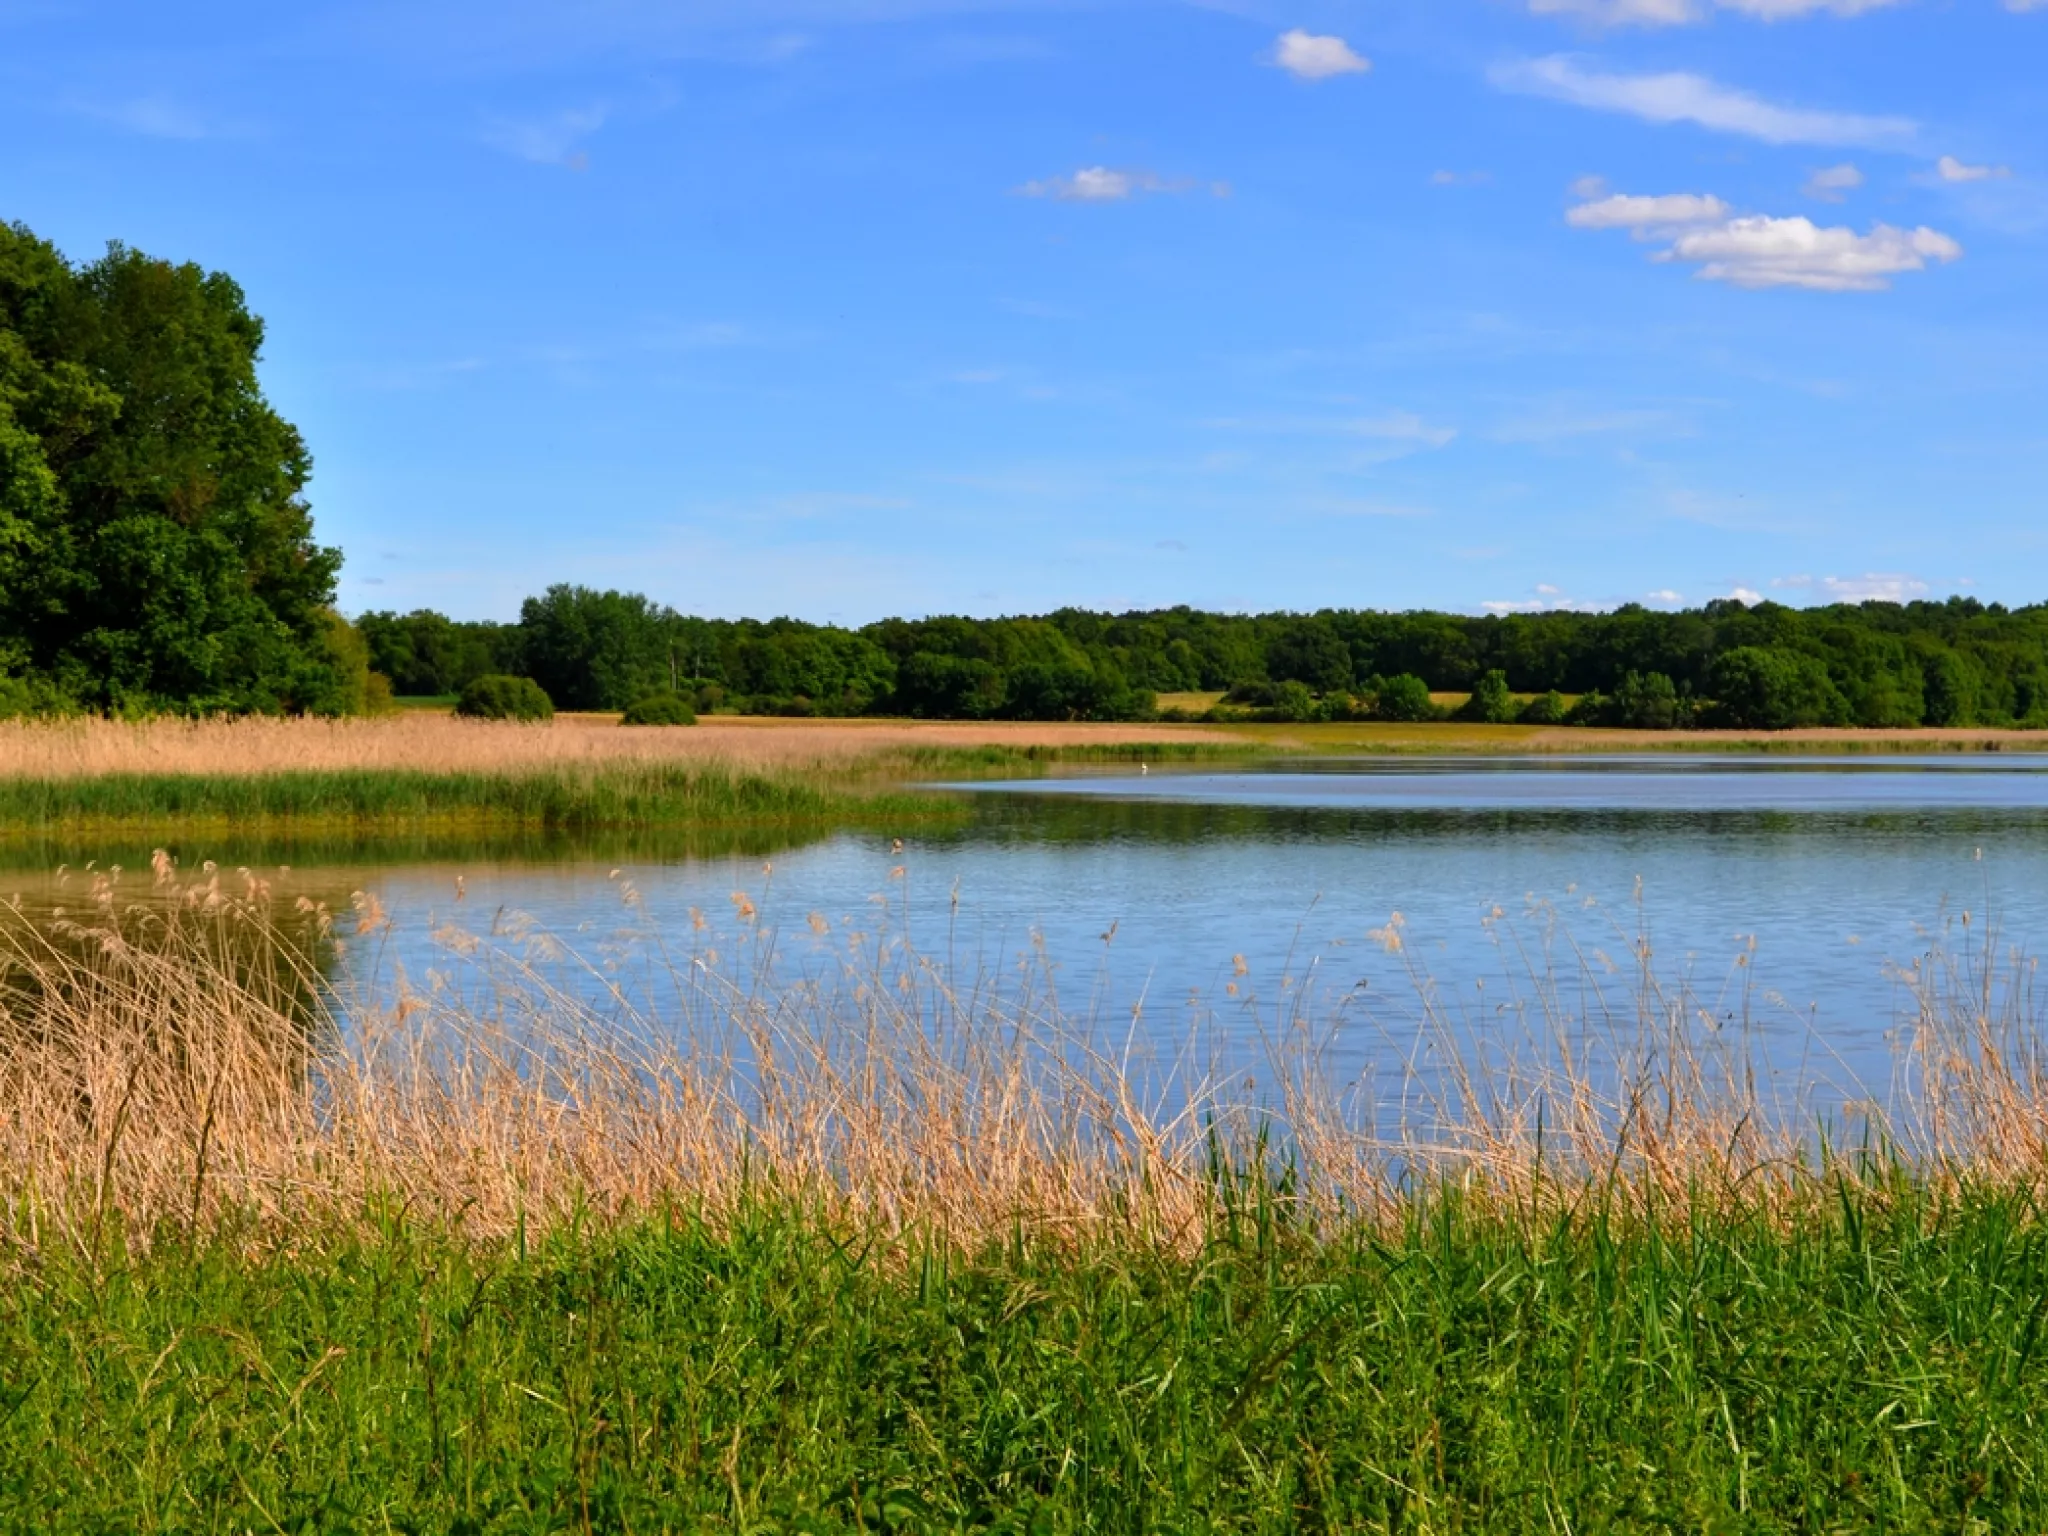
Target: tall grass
x=417, y=776
x=843, y=1238
x=92, y=747
x=888, y=1091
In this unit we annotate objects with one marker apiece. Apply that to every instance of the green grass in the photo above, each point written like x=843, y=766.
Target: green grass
x=343, y=803
x=1878, y=1365
x=412, y=800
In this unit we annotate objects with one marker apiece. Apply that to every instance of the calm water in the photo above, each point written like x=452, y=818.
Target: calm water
x=1232, y=896
x=1240, y=898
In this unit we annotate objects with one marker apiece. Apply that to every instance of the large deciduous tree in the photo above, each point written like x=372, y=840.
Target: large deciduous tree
x=156, y=550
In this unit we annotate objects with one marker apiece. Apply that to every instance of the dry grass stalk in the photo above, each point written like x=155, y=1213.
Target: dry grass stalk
x=93, y=747
x=175, y=1062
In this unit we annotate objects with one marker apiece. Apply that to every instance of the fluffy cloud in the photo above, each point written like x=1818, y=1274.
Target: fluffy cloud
x=1684, y=98
x=1680, y=13
x=1757, y=251
x=1828, y=185
x=1100, y=184
x=1872, y=587
x=1672, y=211
x=1761, y=252
x=1309, y=57
x=1949, y=168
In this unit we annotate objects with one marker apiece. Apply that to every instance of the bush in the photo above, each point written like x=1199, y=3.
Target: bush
x=1545, y=709
x=1404, y=698
x=1647, y=702
x=496, y=697
x=1491, y=703
x=660, y=709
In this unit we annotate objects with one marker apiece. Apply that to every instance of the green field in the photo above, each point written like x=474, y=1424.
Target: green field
x=1877, y=1365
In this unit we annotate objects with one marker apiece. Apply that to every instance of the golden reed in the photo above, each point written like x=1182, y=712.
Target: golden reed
x=178, y=1059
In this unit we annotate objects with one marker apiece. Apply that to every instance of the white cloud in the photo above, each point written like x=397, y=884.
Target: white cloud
x=1681, y=13
x=1306, y=56
x=549, y=140
x=1949, y=168
x=1829, y=184
x=1460, y=178
x=1545, y=589
x=1872, y=588
x=1666, y=596
x=1685, y=98
x=1674, y=210
x=1757, y=251
x=1101, y=184
x=1748, y=596
x=1761, y=252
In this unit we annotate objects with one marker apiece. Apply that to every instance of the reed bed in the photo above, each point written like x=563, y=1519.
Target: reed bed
x=92, y=747
x=181, y=1057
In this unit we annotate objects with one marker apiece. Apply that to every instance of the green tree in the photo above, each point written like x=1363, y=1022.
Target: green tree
x=1646, y=701
x=1491, y=703
x=156, y=550
x=1403, y=698
x=1765, y=688
x=597, y=650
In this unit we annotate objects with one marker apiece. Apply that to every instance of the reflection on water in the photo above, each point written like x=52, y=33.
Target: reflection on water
x=1782, y=897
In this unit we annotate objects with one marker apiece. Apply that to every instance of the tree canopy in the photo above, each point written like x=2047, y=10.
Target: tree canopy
x=1762, y=666
x=156, y=549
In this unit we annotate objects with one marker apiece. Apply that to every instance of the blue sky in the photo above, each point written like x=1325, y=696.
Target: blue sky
x=843, y=308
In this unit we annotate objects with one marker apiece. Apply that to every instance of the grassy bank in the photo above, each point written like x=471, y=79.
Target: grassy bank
x=742, y=1232
x=441, y=777
x=1876, y=1365
x=416, y=801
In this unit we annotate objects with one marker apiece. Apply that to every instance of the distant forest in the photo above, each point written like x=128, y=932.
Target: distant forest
x=1766, y=666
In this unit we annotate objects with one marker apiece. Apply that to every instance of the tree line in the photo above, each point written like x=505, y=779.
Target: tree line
x=157, y=553
x=1763, y=665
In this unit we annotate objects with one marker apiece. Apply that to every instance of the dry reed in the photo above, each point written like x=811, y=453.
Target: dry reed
x=178, y=1061
x=93, y=747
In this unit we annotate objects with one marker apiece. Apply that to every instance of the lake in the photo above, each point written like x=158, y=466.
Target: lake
x=1779, y=896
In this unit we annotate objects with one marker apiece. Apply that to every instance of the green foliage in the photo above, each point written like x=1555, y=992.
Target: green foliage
x=426, y=800
x=427, y=655
x=1768, y=688
x=660, y=709
x=1875, y=1368
x=1491, y=702
x=1544, y=709
x=1878, y=664
x=505, y=698
x=1404, y=698
x=1647, y=702
x=156, y=551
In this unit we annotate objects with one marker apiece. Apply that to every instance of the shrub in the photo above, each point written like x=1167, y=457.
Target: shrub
x=1545, y=709
x=1491, y=703
x=1404, y=698
x=660, y=709
x=1647, y=701
x=496, y=697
